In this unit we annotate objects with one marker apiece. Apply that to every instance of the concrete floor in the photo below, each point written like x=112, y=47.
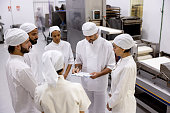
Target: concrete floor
x=5, y=100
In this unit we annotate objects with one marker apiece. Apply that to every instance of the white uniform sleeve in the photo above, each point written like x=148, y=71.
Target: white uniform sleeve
x=71, y=58
x=78, y=56
x=84, y=100
x=27, y=59
x=27, y=81
x=37, y=98
x=33, y=61
x=121, y=88
x=111, y=58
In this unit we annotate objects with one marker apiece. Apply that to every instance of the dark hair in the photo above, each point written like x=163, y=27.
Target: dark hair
x=127, y=50
x=11, y=49
x=56, y=8
x=63, y=7
x=59, y=71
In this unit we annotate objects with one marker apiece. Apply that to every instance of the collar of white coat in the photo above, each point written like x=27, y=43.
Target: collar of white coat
x=17, y=57
x=125, y=59
x=96, y=42
x=33, y=48
x=60, y=76
x=56, y=43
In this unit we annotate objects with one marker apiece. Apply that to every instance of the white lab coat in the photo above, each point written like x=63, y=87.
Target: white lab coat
x=39, y=19
x=21, y=85
x=65, y=48
x=65, y=97
x=34, y=62
x=94, y=58
x=123, y=86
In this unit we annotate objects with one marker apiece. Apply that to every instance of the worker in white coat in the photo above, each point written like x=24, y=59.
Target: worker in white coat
x=39, y=19
x=62, y=46
x=19, y=75
x=122, y=98
x=58, y=95
x=94, y=55
x=32, y=58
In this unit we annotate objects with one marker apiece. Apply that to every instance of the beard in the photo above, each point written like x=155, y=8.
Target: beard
x=92, y=40
x=24, y=50
x=33, y=41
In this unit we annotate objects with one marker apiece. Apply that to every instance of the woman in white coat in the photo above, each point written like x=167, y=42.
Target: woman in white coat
x=62, y=46
x=122, y=99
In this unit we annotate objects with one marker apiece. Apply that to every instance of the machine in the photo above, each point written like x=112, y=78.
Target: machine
x=153, y=84
x=153, y=77
x=144, y=49
x=132, y=26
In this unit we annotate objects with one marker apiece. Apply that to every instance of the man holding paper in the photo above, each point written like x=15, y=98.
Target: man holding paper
x=94, y=55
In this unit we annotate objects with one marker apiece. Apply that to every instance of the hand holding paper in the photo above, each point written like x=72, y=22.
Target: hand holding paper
x=82, y=74
x=75, y=70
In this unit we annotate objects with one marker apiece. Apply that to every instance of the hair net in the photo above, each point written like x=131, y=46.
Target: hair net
x=53, y=61
x=15, y=36
x=53, y=28
x=125, y=41
x=28, y=27
x=89, y=28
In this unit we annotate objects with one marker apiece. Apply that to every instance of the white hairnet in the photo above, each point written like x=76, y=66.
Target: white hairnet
x=89, y=28
x=53, y=61
x=124, y=41
x=15, y=36
x=28, y=27
x=53, y=28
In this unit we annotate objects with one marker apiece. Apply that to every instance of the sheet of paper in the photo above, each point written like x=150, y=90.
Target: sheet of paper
x=81, y=74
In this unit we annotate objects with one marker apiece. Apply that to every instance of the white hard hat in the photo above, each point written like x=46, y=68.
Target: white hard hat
x=89, y=29
x=28, y=27
x=124, y=41
x=15, y=36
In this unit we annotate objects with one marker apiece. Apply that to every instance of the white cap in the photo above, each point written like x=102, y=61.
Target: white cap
x=28, y=27
x=53, y=61
x=15, y=36
x=124, y=41
x=53, y=28
x=89, y=29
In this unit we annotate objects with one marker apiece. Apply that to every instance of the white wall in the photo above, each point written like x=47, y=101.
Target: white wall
x=123, y=4
x=25, y=14
x=151, y=20
x=165, y=40
x=152, y=23
x=5, y=14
